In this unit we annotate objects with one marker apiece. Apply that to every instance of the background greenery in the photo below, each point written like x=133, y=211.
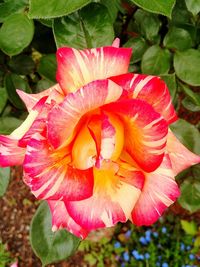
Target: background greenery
x=164, y=35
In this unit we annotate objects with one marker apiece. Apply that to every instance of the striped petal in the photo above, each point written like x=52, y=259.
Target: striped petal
x=49, y=174
x=54, y=93
x=112, y=201
x=10, y=153
x=64, y=117
x=150, y=89
x=181, y=158
x=159, y=192
x=77, y=68
x=26, y=125
x=61, y=219
x=145, y=132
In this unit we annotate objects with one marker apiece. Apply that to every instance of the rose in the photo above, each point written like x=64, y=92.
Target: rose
x=97, y=146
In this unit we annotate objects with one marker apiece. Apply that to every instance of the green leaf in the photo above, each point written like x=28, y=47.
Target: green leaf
x=54, y=8
x=148, y=25
x=4, y=180
x=16, y=33
x=190, y=228
x=156, y=61
x=139, y=46
x=50, y=246
x=10, y=7
x=194, y=97
x=190, y=194
x=188, y=135
x=180, y=13
x=189, y=104
x=3, y=98
x=43, y=84
x=178, y=38
x=157, y=6
x=12, y=82
x=187, y=66
x=113, y=8
x=90, y=27
x=170, y=80
x=47, y=67
x=9, y=124
x=193, y=6
x=22, y=64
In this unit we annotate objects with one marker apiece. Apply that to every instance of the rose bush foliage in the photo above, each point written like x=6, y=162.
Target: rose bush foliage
x=97, y=145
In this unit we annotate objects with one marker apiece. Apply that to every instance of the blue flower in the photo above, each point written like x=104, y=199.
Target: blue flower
x=143, y=240
x=191, y=257
x=141, y=257
x=117, y=244
x=148, y=233
x=182, y=246
x=164, y=230
x=135, y=254
x=165, y=264
x=147, y=256
x=126, y=256
x=155, y=234
x=128, y=234
x=157, y=263
x=123, y=264
x=188, y=247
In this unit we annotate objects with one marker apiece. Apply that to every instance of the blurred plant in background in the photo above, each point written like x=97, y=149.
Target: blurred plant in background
x=165, y=37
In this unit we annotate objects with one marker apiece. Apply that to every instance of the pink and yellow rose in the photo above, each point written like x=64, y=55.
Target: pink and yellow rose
x=97, y=145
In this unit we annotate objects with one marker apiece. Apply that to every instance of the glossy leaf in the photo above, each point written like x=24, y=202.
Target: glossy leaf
x=16, y=33
x=178, y=38
x=4, y=180
x=156, y=61
x=189, y=104
x=9, y=124
x=50, y=246
x=188, y=135
x=170, y=80
x=139, y=46
x=193, y=6
x=3, y=98
x=22, y=64
x=195, y=97
x=148, y=25
x=187, y=66
x=113, y=7
x=47, y=67
x=90, y=27
x=190, y=228
x=13, y=82
x=54, y=8
x=157, y=6
x=43, y=84
x=10, y=7
x=190, y=194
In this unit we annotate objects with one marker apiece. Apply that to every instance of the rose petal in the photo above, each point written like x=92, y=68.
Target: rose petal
x=49, y=175
x=181, y=158
x=61, y=219
x=54, y=93
x=145, y=132
x=77, y=68
x=10, y=153
x=112, y=201
x=64, y=117
x=159, y=192
x=150, y=89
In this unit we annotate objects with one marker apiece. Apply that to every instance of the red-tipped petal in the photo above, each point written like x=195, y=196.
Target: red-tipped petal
x=151, y=89
x=159, y=192
x=181, y=158
x=77, y=68
x=50, y=176
x=54, y=93
x=112, y=201
x=145, y=132
x=61, y=219
x=10, y=153
x=64, y=117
